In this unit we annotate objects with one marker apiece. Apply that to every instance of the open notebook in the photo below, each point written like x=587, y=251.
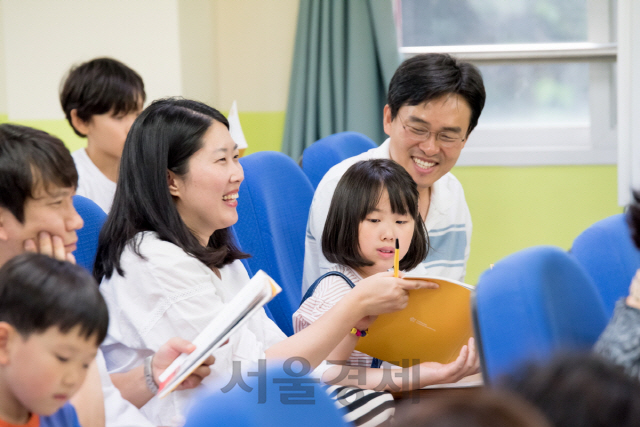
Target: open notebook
x=259, y=291
x=432, y=328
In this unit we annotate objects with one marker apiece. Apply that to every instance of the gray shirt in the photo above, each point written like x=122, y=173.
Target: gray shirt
x=620, y=341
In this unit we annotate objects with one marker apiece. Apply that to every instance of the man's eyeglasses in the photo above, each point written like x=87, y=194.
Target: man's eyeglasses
x=446, y=138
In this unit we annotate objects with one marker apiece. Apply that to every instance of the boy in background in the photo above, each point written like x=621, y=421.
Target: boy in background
x=52, y=321
x=101, y=98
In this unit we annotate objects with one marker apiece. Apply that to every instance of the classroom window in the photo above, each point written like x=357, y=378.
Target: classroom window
x=549, y=71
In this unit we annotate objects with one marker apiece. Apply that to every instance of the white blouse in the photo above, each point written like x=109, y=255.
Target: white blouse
x=170, y=293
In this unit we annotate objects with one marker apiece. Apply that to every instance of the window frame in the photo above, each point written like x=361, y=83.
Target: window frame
x=594, y=143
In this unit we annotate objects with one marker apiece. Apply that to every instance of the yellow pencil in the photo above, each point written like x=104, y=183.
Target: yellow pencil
x=396, y=260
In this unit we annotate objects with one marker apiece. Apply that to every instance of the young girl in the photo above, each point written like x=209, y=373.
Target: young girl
x=375, y=203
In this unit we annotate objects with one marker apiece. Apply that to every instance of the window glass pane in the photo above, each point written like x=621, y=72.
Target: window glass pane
x=549, y=93
x=461, y=22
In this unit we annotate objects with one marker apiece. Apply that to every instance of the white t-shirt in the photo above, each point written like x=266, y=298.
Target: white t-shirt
x=171, y=293
x=448, y=224
x=118, y=411
x=92, y=183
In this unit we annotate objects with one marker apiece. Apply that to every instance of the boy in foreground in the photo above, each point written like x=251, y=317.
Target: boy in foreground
x=52, y=321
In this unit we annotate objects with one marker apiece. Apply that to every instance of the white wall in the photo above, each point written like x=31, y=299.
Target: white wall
x=215, y=51
x=42, y=39
x=3, y=83
x=254, y=45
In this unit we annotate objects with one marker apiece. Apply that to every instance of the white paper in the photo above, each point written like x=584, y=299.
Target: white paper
x=255, y=294
x=234, y=127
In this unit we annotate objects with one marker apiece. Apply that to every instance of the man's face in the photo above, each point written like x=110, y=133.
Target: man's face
x=413, y=137
x=49, y=211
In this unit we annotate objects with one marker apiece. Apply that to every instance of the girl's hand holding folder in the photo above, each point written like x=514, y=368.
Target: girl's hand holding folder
x=383, y=293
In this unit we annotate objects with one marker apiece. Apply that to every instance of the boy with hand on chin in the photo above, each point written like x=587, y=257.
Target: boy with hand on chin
x=52, y=321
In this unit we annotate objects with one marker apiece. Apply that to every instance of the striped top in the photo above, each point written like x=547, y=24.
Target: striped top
x=328, y=292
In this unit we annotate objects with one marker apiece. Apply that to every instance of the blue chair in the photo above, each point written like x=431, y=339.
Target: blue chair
x=93, y=217
x=274, y=397
x=323, y=154
x=532, y=305
x=608, y=254
x=248, y=268
x=273, y=207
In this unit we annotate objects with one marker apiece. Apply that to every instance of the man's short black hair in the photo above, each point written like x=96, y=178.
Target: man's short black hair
x=357, y=194
x=423, y=78
x=100, y=86
x=38, y=292
x=29, y=158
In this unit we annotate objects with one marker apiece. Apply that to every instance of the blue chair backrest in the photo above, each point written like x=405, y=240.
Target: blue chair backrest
x=323, y=154
x=248, y=268
x=532, y=305
x=273, y=207
x=608, y=254
x=281, y=396
x=93, y=217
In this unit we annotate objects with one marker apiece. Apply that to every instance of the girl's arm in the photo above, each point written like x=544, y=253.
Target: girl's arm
x=315, y=342
x=343, y=351
x=402, y=379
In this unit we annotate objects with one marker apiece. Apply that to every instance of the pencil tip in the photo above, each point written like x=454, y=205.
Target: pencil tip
x=397, y=244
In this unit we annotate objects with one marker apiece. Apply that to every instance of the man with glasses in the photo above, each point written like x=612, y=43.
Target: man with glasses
x=433, y=104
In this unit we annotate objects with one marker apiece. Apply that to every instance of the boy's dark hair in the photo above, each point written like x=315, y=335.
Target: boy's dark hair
x=38, y=292
x=633, y=218
x=579, y=391
x=29, y=158
x=357, y=194
x=484, y=408
x=163, y=138
x=429, y=76
x=100, y=86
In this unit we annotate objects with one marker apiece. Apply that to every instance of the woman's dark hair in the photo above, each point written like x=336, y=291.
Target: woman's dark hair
x=357, y=194
x=100, y=86
x=429, y=76
x=38, y=292
x=29, y=158
x=161, y=139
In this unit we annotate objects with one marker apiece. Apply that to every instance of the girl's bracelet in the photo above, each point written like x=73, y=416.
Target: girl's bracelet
x=359, y=333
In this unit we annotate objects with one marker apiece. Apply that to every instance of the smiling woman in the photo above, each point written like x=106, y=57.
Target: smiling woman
x=213, y=170
x=168, y=263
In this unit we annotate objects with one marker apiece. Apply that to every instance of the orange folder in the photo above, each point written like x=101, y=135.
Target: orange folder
x=432, y=328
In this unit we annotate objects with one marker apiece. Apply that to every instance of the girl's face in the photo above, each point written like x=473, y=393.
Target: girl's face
x=377, y=236
x=206, y=195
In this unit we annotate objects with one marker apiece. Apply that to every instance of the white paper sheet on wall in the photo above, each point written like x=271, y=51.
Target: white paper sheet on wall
x=235, y=129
